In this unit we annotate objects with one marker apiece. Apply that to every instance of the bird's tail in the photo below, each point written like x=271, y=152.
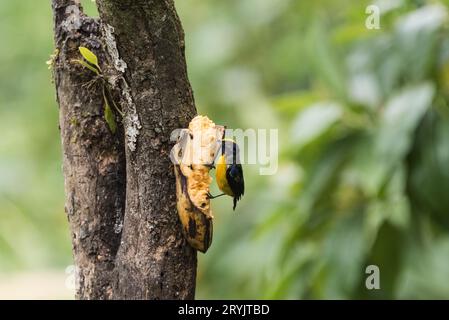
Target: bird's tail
x=235, y=203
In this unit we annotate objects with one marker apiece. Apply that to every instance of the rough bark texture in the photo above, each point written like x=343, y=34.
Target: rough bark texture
x=120, y=188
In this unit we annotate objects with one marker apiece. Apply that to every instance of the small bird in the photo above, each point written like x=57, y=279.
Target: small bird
x=229, y=172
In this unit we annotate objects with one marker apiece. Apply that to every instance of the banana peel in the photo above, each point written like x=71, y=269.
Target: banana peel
x=194, y=154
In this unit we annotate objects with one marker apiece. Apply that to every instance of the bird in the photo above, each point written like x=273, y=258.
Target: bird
x=229, y=172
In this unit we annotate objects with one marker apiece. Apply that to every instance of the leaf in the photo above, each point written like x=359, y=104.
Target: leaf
x=417, y=37
x=89, y=56
x=314, y=121
x=388, y=254
x=400, y=117
x=325, y=60
x=343, y=252
x=109, y=116
x=427, y=18
x=423, y=269
x=86, y=65
x=429, y=172
x=291, y=103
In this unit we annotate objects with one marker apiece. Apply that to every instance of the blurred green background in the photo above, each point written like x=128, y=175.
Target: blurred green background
x=363, y=176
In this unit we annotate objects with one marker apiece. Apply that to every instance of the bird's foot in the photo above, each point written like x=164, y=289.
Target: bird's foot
x=210, y=166
x=209, y=196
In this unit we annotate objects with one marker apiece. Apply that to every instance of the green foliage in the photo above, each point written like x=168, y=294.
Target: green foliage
x=90, y=57
x=109, y=115
x=91, y=63
x=372, y=157
x=86, y=65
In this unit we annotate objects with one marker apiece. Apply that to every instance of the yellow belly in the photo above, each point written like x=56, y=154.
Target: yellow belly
x=220, y=175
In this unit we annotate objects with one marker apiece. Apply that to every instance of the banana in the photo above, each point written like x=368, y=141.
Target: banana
x=194, y=153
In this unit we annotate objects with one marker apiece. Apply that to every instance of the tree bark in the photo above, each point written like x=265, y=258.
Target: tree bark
x=120, y=188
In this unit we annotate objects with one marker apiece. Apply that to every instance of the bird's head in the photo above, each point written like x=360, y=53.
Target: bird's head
x=230, y=150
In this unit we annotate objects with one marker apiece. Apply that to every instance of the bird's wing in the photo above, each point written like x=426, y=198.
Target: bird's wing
x=235, y=179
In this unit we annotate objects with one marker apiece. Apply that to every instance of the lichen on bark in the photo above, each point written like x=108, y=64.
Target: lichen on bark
x=131, y=120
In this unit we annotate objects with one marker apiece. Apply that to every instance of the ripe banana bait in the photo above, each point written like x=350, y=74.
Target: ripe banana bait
x=194, y=155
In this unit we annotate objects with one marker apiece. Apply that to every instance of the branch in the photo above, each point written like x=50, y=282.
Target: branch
x=93, y=157
x=146, y=43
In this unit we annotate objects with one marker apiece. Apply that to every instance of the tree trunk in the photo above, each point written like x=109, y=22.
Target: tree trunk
x=120, y=187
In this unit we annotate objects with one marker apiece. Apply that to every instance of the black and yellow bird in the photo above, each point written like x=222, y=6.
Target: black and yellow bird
x=229, y=172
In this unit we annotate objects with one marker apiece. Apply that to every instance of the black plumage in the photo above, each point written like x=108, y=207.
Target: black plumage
x=234, y=175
